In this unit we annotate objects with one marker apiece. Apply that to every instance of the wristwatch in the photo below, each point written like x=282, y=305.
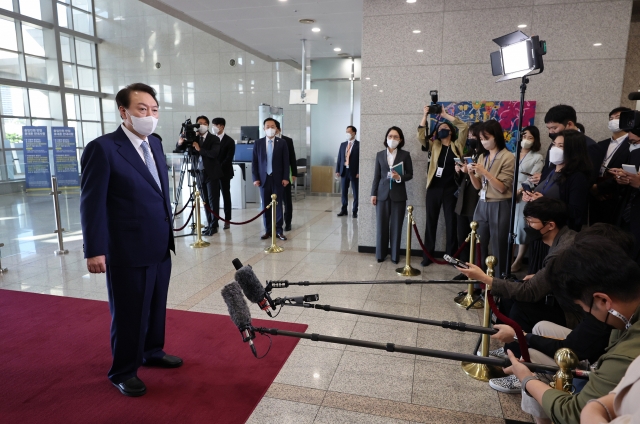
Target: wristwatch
x=526, y=380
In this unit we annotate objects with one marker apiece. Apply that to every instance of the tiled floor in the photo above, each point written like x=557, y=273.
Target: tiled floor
x=321, y=382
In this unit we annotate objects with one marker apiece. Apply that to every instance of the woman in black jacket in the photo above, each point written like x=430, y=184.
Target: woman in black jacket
x=568, y=176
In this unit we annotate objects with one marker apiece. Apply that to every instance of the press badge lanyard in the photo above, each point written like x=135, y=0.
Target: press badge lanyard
x=609, y=157
x=483, y=192
x=547, y=186
x=440, y=169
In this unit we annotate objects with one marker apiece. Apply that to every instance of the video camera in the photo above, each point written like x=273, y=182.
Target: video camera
x=189, y=132
x=630, y=121
x=434, y=107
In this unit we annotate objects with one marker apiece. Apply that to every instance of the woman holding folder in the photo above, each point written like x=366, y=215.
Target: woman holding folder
x=389, y=194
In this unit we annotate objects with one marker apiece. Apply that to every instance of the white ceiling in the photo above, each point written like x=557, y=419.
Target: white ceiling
x=272, y=28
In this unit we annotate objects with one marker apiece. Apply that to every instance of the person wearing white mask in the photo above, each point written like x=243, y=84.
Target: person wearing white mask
x=568, y=179
x=531, y=162
x=126, y=217
x=348, y=170
x=389, y=193
x=227, y=152
x=611, y=153
x=493, y=176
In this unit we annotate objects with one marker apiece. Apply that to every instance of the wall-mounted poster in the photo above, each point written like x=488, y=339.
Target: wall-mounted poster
x=505, y=112
x=35, y=148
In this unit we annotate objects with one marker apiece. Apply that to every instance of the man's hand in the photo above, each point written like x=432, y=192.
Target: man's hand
x=475, y=273
x=196, y=146
x=294, y=178
x=528, y=196
x=357, y=175
x=97, y=264
x=337, y=175
x=285, y=183
x=505, y=333
x=180, y=141
x=256, y=183
x=535, y=178
x=374, y=200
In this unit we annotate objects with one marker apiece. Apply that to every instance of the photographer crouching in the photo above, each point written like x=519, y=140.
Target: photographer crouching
x=206, y=150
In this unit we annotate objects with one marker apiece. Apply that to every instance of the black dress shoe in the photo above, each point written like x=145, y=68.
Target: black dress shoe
x=133, y=387
x=395, y=262
x=287, y=227
x=167, y=361
x=355, y=215
x=213, y=231
x=426, y=262
x=265, y=236
x=226, y=226
x=343, y=213
x=281, y=236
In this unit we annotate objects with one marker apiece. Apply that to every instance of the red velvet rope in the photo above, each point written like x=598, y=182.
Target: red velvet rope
x=236, y=223
x=522, y=342
x=182, y=210
x=431, y=258
x=186, y=223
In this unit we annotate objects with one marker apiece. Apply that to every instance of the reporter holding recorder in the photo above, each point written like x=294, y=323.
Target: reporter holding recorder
x=389, y=194
x=445, y=145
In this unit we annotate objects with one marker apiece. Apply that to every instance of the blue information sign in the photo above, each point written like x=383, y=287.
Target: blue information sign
x=65, y=158
x=36, y=157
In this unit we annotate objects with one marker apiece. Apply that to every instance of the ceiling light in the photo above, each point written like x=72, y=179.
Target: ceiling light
x=316, y=29
x=419, y=50
x=367, y=78
x=411, y=1
x=416, y=31
x=381, y=91
x=522, y=26
x=337, y=49
x=282, y=0
x=597, y=44
x=375, y=85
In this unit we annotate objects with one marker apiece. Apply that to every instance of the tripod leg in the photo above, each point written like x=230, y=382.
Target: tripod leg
x=476, y=300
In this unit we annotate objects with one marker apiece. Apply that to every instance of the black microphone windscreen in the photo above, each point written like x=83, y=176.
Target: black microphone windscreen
x=251, y=286
x=236, y=263
x=634, y=95
x=237, y=307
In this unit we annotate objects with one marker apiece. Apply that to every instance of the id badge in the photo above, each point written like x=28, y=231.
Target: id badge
x=439, y=172
x=483, y=194
x=602, y=171
x=389, y=175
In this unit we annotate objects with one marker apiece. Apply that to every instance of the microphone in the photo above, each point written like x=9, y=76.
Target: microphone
x=253, y=289
x=634, y=95
x=239, y=313
x=236, y=263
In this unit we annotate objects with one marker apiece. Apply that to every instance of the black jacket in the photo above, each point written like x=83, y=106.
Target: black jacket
x=467, y=194
x=632, y=195
x=381, y=186
x=227, y=152
x=210, y=152
x=292, y=155
x=607, y=185
x=574, y=192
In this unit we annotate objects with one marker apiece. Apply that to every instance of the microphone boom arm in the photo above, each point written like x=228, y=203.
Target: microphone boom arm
x=283, y=284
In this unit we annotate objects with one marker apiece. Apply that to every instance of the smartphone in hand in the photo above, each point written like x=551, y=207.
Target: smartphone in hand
x=526, y=187
x=469, y=160
x=458, y=161
x=526, y=173
x=455, y=262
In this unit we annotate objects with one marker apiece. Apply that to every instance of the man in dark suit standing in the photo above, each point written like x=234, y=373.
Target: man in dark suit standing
x=293, y=167
x=227, y=152
x=125, y=212
x=348, y=170
x=271, y=173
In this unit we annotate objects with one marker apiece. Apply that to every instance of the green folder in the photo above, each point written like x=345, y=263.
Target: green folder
x=399, y=168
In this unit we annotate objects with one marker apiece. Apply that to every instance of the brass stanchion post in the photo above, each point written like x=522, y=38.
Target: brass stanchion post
x=480, y=371
x=563, y=379
x=2, y=270
x=274, y=248
x=199, y=242
x=472, y=239
x=56, y=210
x=408, y=270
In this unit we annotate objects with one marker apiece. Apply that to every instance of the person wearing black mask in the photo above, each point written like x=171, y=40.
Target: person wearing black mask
x=445, y=145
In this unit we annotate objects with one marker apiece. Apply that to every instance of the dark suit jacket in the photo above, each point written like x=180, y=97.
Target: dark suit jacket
x=380, y=186
x=607, y=184
x=280, y=162
x=210, y=151
x=628, y=191
x=574, y=192
x=354, y=159
x=292, y=156
x=123, y=212
x=227, y=151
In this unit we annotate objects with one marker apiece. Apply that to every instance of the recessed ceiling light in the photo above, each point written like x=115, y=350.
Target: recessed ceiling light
x=381, y=91
x=316, y=29
x=522, y=26
x=375, y=85
x=419, y=50
x=337, y=49
x=597, y=44
x=416, y=31
x=282, y=0
x=367, y=78
x=411, y=1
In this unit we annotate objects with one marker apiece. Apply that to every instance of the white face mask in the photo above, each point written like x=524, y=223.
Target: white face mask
x=614, y=125
x=143, y=126
x=392, y=143
x=203, y=129
x=526, y=144
x=270, y=132
x=489, y=144
x=215, y=129
x=556, y=155
x=349, y=136
x=633, y=147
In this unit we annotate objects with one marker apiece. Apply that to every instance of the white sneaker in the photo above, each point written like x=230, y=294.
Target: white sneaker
x=508, y=384
x=498, y=353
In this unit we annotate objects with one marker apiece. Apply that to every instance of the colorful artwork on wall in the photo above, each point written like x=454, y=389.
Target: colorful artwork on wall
x=505, y=112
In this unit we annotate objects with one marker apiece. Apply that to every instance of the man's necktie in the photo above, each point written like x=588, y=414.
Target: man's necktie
x=269, y=157
x=346, y=162
x=150, y=164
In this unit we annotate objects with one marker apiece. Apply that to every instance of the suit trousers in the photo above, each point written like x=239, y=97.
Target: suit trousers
x=138, y=304
x=389, y=220
x=266, y=190
x=225, y=189
x=345, y=181
x=436, y=198
x=288, y=204
x=464, y=228
x=211, y=195
x=493, y=227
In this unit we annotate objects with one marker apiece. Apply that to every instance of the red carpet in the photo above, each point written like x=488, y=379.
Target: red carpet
x=54, y=358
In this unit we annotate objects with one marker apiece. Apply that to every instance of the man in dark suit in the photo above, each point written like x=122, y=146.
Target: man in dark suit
x=227, y=151
x=611, y=153
x=271, y=173
x=348, y=170
x=125, y=212
x=293, y=167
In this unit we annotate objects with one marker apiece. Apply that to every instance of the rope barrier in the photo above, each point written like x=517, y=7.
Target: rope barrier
x=186, y=223
x=236, y=223
x=431, y=258
x=185, y=207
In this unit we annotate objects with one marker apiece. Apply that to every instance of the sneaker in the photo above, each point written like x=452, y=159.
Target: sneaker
x=498, y=353
x=508, y=384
